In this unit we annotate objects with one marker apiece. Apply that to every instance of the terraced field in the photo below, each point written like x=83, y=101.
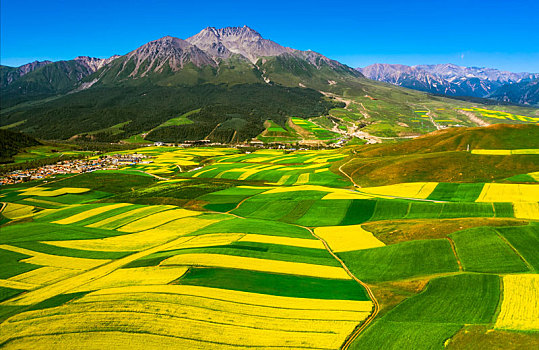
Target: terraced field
x=215, y=248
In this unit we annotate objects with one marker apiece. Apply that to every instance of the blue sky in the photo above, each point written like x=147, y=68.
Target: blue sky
x=498, y=34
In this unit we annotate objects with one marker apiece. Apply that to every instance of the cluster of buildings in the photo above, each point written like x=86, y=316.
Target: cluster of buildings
x=76, y=166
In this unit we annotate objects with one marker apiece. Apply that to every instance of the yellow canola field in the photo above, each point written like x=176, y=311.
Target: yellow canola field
x=67, y=284
x=255, y=264
x=135, y=214
x=45, y=202
x=137, y=276
x=45, y=275
x=198, y=313
x=247, y=298
x=492, y=152
x=255, y=336
x=290, y=241
x=216, y=303
x=158, y=219
x=407, y=190
x=140, y=240
x=535, y=175
x=16, y=284
x=108, y=340
x=494, y=192
x=17, y=211
x=504, y=152
x=208, y=240
x=520, y=305
x=347, y=238
x=525, y=210
x=48, y=192
x=302, y=179
x=282, y=180
x=43, y=259
x=302, y=188
x=89, y=213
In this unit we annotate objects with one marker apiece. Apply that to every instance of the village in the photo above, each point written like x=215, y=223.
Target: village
x=76, y=166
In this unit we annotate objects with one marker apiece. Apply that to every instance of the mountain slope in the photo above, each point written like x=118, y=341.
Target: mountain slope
x=442, y=156
x=10, y=74
x=11, y=142
x=523, y=93
x=448, y=79
x=44, y=79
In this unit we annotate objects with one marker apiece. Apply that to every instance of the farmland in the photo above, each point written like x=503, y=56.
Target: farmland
x=227, y=248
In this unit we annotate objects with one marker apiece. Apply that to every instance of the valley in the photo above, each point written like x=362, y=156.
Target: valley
x=228, y=192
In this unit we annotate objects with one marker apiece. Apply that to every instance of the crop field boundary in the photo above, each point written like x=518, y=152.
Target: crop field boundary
x=454, y=249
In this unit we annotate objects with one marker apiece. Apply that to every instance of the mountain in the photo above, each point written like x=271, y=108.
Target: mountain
x=231, y=55
x=447, y=79
x=244, y=41
x=222, y=84
x=234, y=78
x=39, y=80
x=526, y=92
x=10, y=74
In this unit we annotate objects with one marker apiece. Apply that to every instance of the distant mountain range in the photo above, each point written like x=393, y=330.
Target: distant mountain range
x=453, y=80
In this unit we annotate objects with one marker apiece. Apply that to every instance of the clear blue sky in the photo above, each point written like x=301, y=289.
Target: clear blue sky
x=491, y=33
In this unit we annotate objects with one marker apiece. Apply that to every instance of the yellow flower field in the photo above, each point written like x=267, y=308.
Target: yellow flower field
x=261, y=306
x=139, y=240
x=230, y=333
x=45, y=275
x=525, y=210
x=295, y=242
x=151, y=275
x=302, y=179
x=48, y=192
x=210, y=239
x=204, y=315
x=16, y=284
x=70, y=283
x=282, y=180
x=196, y=313
x=520, y=306
x=406, y=190
x=17, y=211
x=255, y=264
x=347, y=238
x=89, y=213
x=495, y=192
x=244, y=297
x=492, y=152
x=504, y=152
x=42, y=259
x=135, y=214
x=157, y=219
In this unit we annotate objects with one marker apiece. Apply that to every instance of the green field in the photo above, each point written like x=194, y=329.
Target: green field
x=274, y=248
x=483, y=250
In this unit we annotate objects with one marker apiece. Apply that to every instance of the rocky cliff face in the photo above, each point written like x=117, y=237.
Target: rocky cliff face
x=93, y=64
x=243, y=41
